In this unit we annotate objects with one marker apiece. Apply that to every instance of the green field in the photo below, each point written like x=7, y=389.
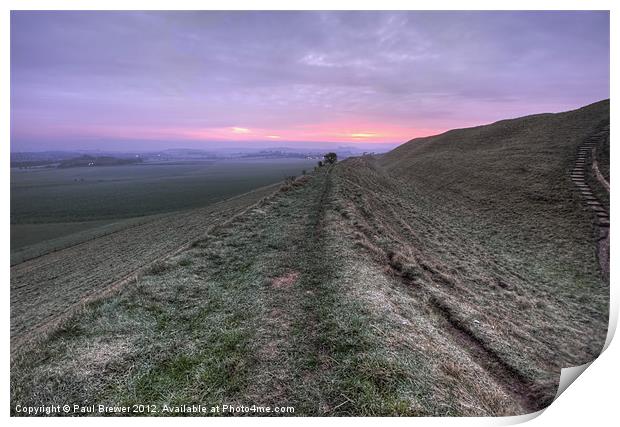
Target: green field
x=50, y=204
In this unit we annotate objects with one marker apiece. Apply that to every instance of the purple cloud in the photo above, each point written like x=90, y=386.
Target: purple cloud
x=83, y=79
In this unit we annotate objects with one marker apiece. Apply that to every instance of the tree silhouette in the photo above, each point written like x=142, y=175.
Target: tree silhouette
x=331, y=158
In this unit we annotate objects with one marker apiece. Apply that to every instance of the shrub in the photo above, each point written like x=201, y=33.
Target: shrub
x=331, y=158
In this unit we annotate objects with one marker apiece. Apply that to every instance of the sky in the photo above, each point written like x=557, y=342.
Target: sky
x=154, y=80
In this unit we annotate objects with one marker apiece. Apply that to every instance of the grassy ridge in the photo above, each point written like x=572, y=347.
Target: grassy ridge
x=512, y=175
x=263, y=312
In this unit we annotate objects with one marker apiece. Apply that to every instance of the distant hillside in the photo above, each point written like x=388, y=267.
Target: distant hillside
x=92, y=161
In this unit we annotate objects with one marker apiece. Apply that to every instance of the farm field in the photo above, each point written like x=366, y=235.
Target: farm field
x=29, y=234
x=50, y=204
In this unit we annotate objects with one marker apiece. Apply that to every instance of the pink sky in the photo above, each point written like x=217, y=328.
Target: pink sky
x=93, y=80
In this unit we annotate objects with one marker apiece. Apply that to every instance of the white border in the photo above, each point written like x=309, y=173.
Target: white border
x=590, y=400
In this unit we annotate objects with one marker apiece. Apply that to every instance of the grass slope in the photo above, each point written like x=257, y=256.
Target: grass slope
x=44, y=288
x=509, y=180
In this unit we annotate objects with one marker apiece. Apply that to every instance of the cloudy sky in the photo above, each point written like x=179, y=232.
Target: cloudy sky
x=139, y=80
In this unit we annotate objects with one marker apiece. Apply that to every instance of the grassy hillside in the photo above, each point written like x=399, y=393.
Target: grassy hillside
x=513, y=175
x=453, y=276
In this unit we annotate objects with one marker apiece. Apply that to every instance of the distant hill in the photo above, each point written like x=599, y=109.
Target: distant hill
x=92, y=161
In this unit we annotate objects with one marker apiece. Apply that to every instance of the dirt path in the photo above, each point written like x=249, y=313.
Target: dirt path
x=46, y=290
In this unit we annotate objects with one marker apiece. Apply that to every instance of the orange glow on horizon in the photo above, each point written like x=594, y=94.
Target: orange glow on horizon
x=325, y=132
x=364, y=135
x=235, y=129
x=321, y=132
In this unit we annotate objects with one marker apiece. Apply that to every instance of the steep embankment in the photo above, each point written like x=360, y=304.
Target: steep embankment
x=484, y=226
x=420, y=283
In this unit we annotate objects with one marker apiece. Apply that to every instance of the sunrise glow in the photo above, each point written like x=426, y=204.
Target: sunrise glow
x=107, y=79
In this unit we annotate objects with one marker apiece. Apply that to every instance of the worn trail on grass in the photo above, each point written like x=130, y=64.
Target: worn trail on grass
x=290, y=348
x=48, y=287
x=510, y=379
